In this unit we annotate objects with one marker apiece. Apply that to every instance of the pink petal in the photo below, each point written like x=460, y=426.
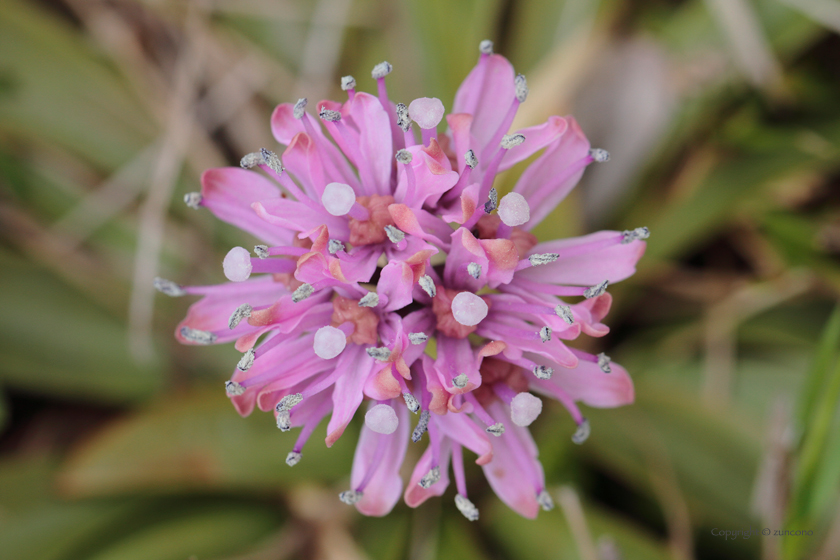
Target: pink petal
x=494, y=87
x=347, y=395
x=374, y=139
x=588, y=384
x=416, y=494
x=536, y=138
x=462, y=140
x=462, y=429
x=302, y=159
x=396, y=283
x=465, y=249
x=299, y=217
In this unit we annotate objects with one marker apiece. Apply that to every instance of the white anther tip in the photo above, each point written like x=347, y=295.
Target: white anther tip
x=168, y=287
x=381, y=70
x=582, y=432
x=348, y=82
x=193, y=200
x=234, y=389
x=599, y=155
x=486, y=46
x=300, y=108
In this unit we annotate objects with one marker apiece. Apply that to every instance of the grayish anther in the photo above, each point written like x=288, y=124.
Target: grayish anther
x=238, y=314
x=486, y=46
x=460, y=381
x=303, y=292
x=470, y=158
x=492, y=202
x=599, y=155
x=381, y=70
x=249, y=161
x=193, y=200
x=428, y=285
x=512, y=140
x=422, y=426
x=168, y=287
x=380, y=354
x=466, y=507
x=565, y=313
x=289, y=401
x=300, y=108
x=395, y=235
x=350, y=497
x=582, y=432
x=521, y=86
x=198, y=337
x=630, y=235
x=404, y=156
x=496, y=429
x=543, y=372
x=293, y=458
x=596, y=291
x=335, y=246
x=474, y=270
x=411, y=402
x=418, y=337
x=430, y=478
x=403, y=120
x=272, y=161
x=329, y=115
x=284, y=420
x=543, y=258
x=371, y=299
x=545, y=334
x=233, y=388
x=261, y=251
x=348, y=82
x=545, y=501
x=246, y=361
x=604, y=363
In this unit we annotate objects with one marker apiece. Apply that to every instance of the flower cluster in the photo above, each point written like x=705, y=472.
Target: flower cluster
x=391, y=271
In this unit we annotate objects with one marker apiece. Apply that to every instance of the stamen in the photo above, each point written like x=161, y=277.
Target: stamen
x=630, y=235
x=486, y=46
x=431, y=477
x=335, y=246
x=237, y=264
x=474, y=270
x=381, y=70
x=512, y=140
x=521, y=86
x=289, y=401
x=329, y=115
x=418, y=337
x=493, y=201
x=238, y=314
x=411, y=402
x=496, y=429
x=168, y=287
x=469, y=309
x=300, y=107
x=524, y=409
x=604, y=363
x=303, y=292
x=545, y=334
x=233, y=388
x=565, y=313
x=293, y=458
x=466, y=507
x=284, y=420
x=350, y=497
x=379, y=354
x=261, y=251
x=422, y=426
x=382, y=419
x=404, y=156
x=470, y=158
x=247, y=360
x=543, y=258
x=371, y=299
x=394, y=234
x=599, y=155
x=545, y=501
x=348, y=82
x=460, y=381
x=193, y=200
x=197, y=336
x=249, y=161
x=428, y=285
x=582, y=432
x=403, y=120
x=272, y=161
x=596, y=291
x=543, y=372
x=514, y=210
x=329, y=342
x=338, y=198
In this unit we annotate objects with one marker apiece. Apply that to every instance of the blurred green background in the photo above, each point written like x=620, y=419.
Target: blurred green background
x=723, y=121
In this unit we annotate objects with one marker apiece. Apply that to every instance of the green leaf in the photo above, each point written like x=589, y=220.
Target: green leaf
x=826, y=353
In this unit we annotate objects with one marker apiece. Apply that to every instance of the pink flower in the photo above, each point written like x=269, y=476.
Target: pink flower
x=373, y=244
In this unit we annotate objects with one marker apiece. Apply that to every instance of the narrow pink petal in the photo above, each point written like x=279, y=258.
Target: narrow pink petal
x=465, y=249
x=536, y=138
x=396, y=283
x=455, y=357
x=374, y=139
x=299, y=217
x=347, y=395
x=464, y=430
x=459, y=126
x=588, y=384
x=495, y=89
x=416, y=494
x=303, y=160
